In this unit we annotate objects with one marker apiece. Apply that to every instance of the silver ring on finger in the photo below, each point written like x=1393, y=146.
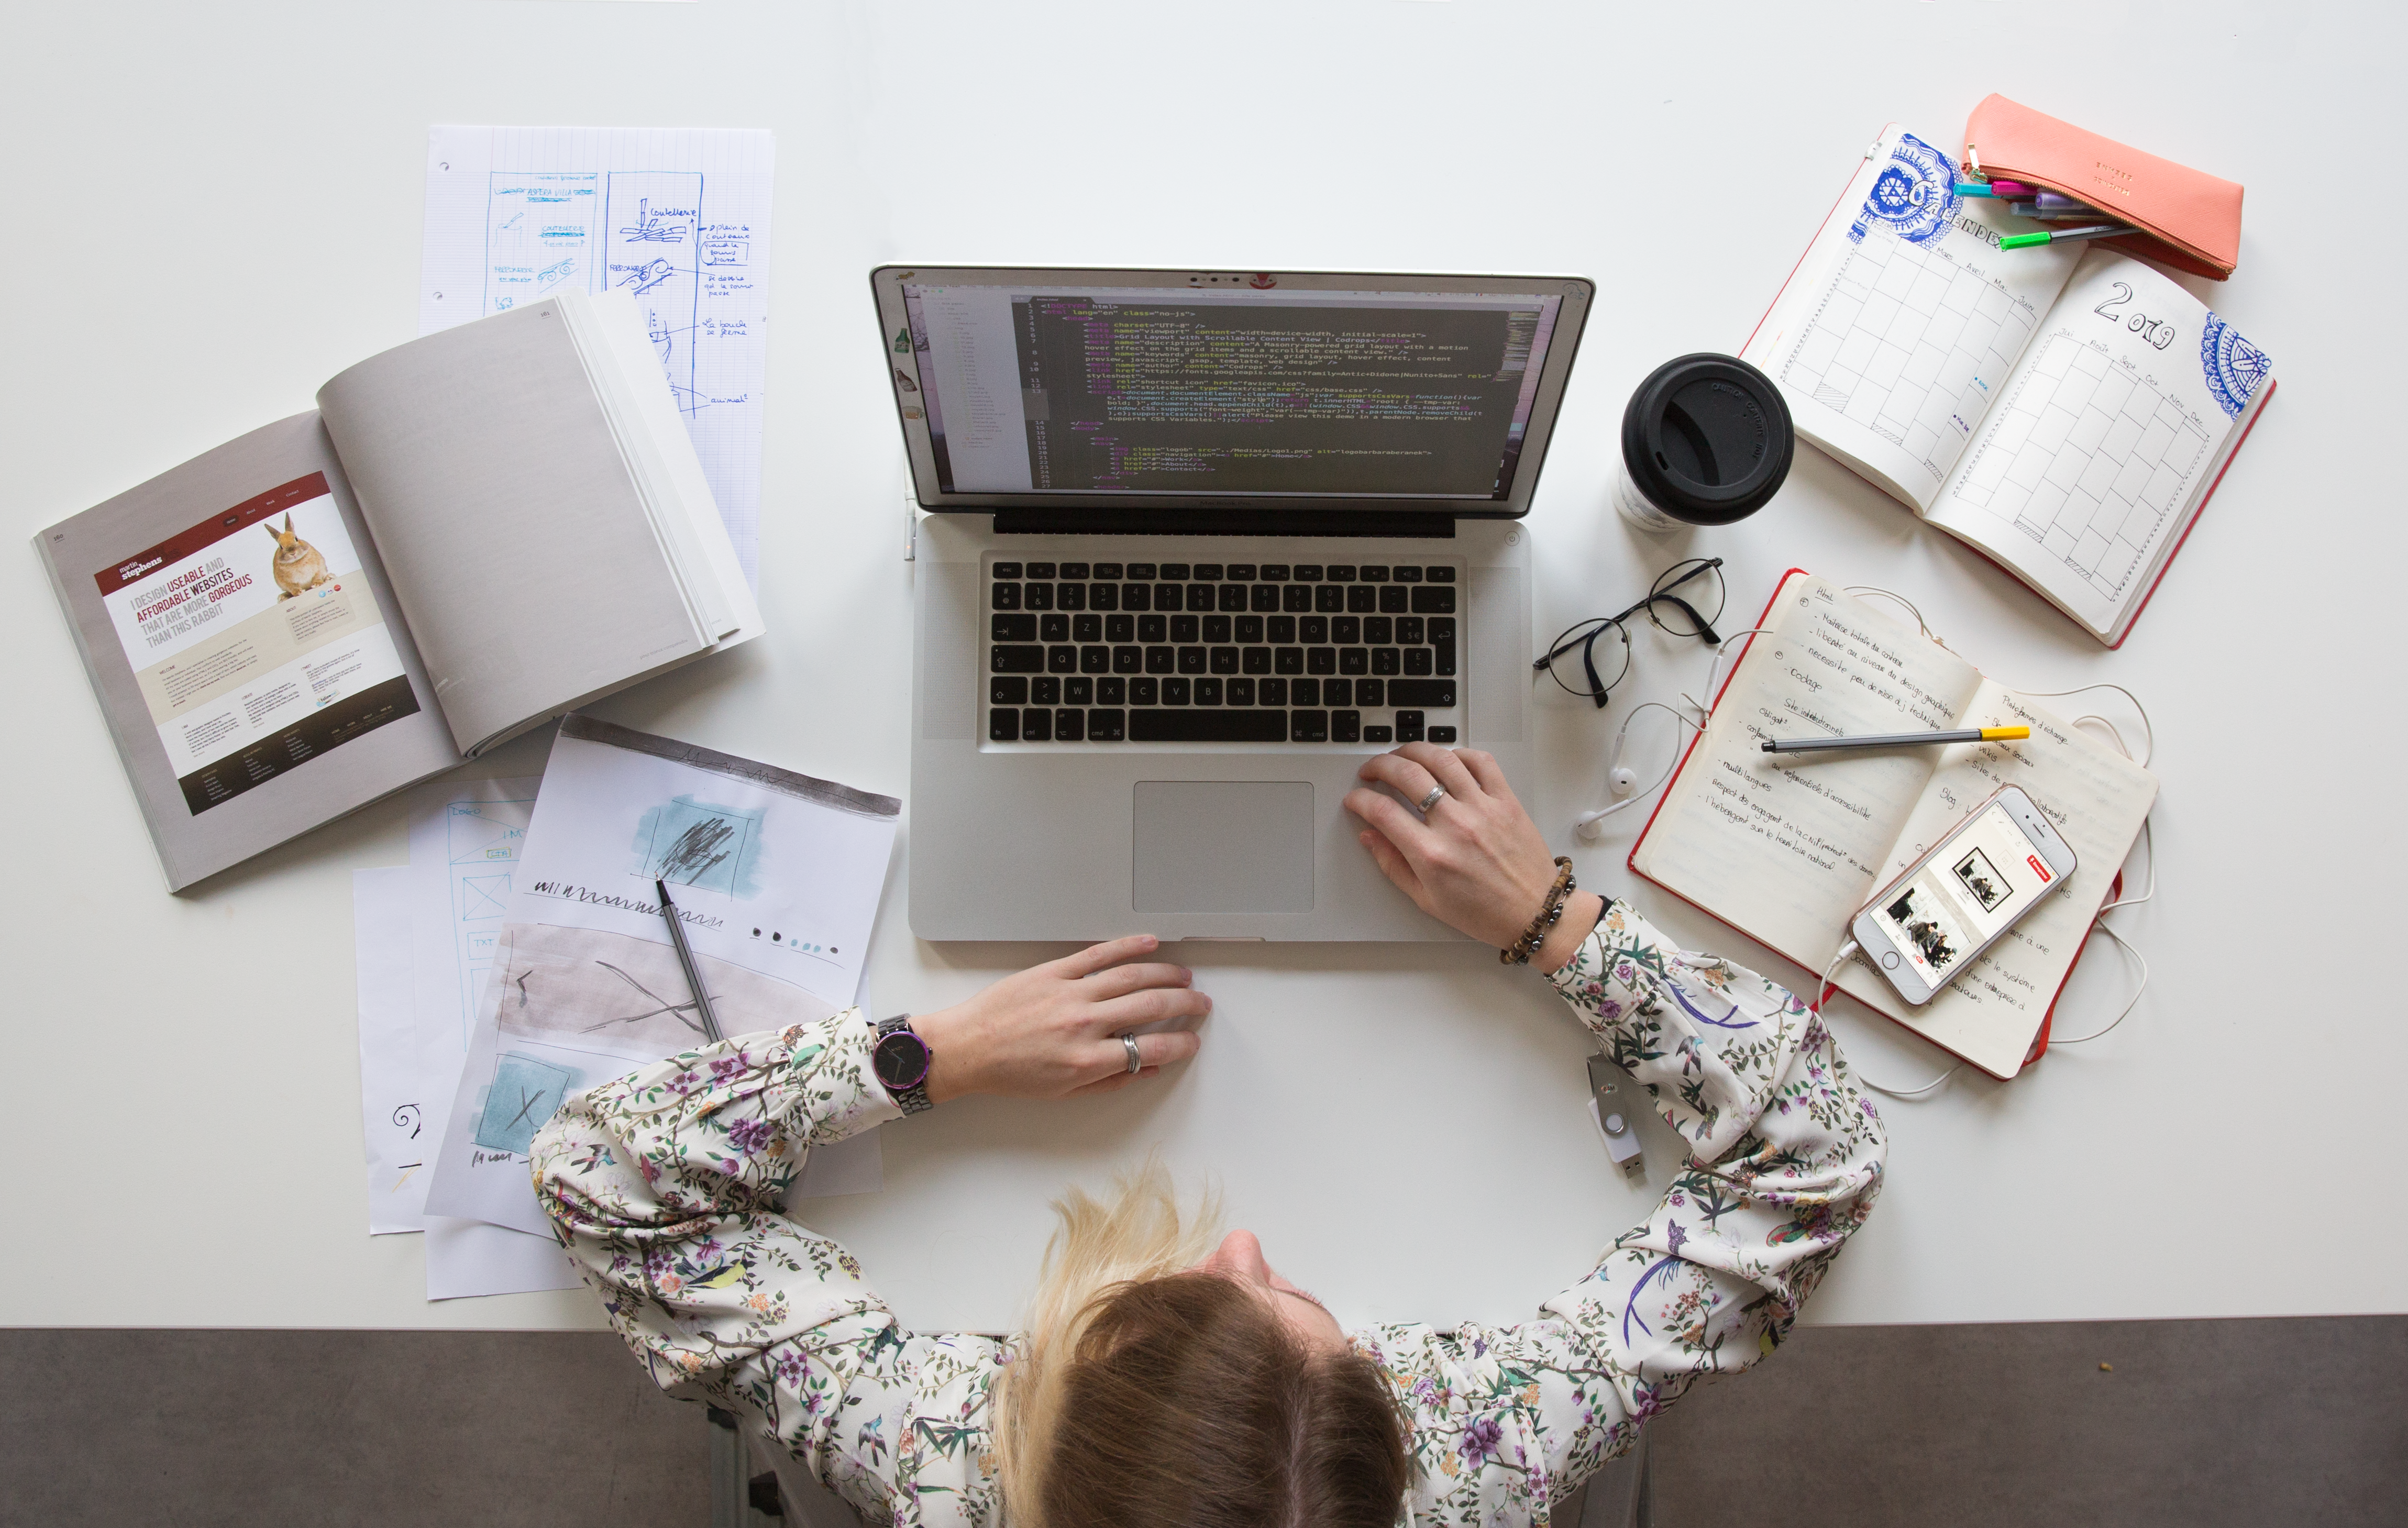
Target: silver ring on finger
x=1422, y=806
x=1130, y=1041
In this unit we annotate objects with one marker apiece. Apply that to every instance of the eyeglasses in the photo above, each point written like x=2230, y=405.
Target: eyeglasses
x=1670, y=612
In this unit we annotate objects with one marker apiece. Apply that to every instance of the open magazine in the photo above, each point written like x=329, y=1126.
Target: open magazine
x=475, y=532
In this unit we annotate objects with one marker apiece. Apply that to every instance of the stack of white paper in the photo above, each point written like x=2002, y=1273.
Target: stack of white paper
x=429, y=934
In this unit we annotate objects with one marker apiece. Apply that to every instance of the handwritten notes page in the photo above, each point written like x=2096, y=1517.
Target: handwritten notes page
x=1787, y=847
x=676, y=218
x=2095, y=797
x=1904, y=319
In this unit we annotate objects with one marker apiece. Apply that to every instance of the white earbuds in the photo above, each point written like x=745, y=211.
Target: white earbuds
x=1623, y=780
x=1620, y=778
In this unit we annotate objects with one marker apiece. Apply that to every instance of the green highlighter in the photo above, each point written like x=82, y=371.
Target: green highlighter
x=2065, y=235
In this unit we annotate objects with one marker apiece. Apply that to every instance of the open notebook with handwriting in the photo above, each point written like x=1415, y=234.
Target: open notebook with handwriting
x=2065, y=413
x=1787, y=847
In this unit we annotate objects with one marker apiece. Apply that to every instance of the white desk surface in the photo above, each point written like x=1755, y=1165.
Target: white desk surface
x=218, y=207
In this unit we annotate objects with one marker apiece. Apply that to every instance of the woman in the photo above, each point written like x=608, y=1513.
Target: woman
x=1164, y=1380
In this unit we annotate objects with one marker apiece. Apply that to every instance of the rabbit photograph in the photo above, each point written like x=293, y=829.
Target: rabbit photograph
x=298, y=565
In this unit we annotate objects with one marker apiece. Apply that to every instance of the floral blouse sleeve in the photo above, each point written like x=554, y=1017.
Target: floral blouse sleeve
x=668, y=1189
x=1784, y=1159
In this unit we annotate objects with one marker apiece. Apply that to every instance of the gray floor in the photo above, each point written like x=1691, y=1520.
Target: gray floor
x=2199, y=1423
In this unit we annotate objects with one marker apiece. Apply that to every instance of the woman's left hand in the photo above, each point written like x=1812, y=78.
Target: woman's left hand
x=1055, y=1029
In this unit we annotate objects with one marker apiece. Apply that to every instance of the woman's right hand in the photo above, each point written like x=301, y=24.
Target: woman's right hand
x=1054, y=1029
x=1475, y=861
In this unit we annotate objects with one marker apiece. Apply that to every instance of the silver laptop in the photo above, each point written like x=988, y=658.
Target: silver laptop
x=1199, y=543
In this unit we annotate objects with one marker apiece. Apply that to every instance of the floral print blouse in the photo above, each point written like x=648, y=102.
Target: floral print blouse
x=668, y=1187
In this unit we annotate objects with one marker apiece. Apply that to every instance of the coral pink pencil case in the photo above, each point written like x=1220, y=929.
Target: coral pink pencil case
x=2191, y=220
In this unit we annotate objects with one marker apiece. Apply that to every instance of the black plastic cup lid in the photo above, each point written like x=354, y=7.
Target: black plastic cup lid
x=1707, y=438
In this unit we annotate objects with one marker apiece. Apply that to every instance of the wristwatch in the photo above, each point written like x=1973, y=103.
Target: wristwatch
x=901, y=1058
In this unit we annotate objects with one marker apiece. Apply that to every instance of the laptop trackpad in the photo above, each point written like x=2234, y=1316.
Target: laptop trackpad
x=1224, y=846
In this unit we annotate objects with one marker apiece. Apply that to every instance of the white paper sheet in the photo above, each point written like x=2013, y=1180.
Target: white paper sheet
x=777, y=878
x=425, y=935
x=469, y=1257
x=391, y=1101
x=678, y=218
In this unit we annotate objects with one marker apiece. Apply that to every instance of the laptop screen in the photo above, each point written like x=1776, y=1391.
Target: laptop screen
x=1066, y=389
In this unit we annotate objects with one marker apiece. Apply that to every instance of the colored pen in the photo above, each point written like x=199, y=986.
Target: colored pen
x=1897, y=739
x=2064, y=236
x=685, y=958
x=2049, y=204
x=2005, y=191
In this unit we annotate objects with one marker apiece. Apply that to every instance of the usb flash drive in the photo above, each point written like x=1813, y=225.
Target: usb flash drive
x=1605, y=1108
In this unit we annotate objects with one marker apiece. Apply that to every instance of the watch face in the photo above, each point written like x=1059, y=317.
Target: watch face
x=901, y=1058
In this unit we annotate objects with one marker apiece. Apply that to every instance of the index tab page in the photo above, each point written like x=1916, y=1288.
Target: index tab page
x=1787, y=847
x=678, y=219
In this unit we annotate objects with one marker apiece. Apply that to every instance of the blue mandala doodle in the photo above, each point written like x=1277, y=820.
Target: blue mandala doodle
x=2233, y=367
x=1914, y=197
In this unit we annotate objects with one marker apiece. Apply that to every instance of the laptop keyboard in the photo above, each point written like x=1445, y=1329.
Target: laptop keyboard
x=1209, y=652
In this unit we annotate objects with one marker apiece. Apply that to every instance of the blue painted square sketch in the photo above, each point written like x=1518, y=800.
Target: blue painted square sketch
x=695, y=843
x=525, y=1093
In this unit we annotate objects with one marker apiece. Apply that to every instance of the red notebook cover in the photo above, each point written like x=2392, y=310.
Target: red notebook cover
x=2040, y=1040
x=2260, y=408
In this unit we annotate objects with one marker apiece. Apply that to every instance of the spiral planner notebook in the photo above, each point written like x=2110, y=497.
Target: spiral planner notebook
x=2068, y=414
x=1787, y=847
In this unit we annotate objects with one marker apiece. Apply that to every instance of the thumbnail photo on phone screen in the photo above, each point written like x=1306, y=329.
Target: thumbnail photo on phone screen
x=1978, y=884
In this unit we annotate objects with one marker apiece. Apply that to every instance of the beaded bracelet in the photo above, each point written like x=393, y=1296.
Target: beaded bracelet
x=1536, y=935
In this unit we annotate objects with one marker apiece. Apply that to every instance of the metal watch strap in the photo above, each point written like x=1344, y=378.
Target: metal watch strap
x=913, y=1099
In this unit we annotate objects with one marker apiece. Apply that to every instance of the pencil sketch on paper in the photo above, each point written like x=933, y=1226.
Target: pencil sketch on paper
x=576, y=988
x=638, y=230
x=673, y=218
x=695, y=843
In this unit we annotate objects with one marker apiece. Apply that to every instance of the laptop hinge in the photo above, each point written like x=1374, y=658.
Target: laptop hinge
x=1223, y=522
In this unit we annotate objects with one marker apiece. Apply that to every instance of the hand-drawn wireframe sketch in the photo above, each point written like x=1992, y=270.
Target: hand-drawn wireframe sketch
x=482, y=838
x=484, y=896
x=678, y=219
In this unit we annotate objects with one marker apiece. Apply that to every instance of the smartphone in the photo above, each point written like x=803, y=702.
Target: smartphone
x=1955, y=902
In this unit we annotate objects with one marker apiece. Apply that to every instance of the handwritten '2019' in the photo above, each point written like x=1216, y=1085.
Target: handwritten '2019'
x=2156, y=331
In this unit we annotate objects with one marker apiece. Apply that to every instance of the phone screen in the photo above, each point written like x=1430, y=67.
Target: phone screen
x=1981, y=881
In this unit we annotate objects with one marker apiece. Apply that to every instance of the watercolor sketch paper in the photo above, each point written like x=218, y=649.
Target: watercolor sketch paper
x=677, y=218
x=777, y=878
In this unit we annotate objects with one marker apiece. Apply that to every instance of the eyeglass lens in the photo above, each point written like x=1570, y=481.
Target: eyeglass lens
x=1689, y=599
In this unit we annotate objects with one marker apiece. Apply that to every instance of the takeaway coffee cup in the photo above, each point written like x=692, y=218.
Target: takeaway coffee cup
x=1705, y=442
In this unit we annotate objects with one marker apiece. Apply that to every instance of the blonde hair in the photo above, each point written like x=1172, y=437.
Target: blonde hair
x=1141, y=1233
x=1144, y=1392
